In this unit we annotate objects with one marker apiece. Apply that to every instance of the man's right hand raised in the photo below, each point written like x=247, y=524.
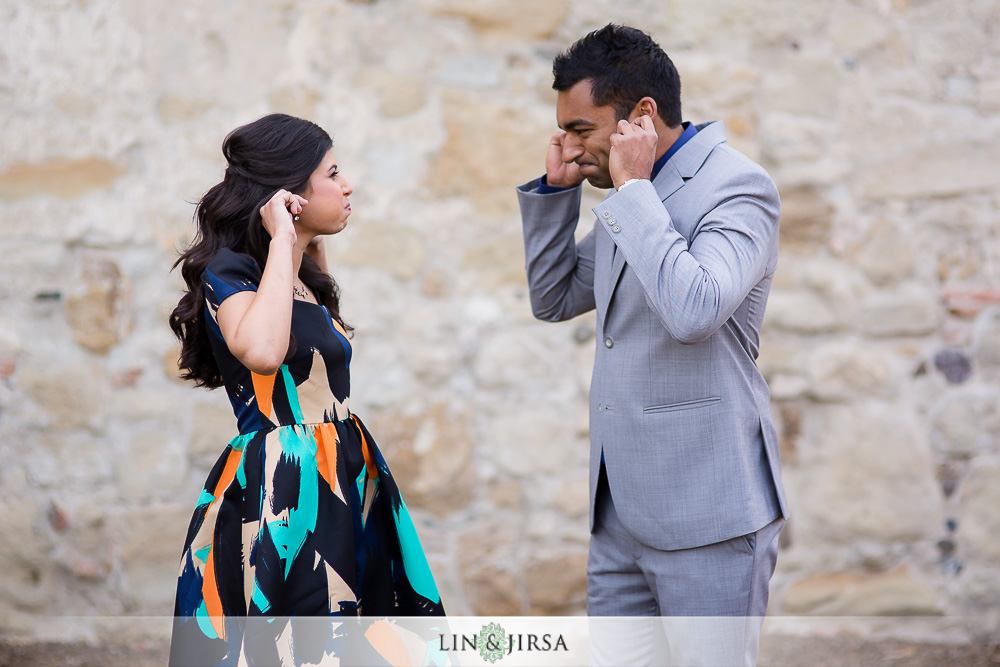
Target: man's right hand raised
x=559, y=173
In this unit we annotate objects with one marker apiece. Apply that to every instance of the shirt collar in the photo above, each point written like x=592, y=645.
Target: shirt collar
x=689, y=131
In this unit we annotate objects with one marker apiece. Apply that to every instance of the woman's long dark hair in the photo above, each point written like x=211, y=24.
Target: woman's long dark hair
x=273, y=153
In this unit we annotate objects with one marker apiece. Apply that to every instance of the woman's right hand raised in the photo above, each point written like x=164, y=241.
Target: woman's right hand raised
x=276, y=214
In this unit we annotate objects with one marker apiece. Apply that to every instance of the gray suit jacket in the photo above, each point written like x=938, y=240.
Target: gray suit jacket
x=679, y=271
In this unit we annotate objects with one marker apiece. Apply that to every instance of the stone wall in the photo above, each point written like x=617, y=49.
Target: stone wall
x=879, y=120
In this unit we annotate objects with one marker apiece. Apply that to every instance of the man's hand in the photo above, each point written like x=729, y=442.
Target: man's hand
x=558, y=173
x=633, y=150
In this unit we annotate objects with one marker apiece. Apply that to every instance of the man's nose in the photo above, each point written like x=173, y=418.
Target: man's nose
x=572, y=149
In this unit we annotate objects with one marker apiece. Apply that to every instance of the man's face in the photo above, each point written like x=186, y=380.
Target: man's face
x=588, y=133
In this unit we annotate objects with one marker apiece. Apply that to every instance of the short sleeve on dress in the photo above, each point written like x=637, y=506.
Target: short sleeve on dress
x=230, y=272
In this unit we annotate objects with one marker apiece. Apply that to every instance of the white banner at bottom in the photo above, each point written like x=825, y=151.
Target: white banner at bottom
x=506, y=641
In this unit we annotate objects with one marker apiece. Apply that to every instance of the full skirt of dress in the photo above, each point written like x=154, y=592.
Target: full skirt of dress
x=298, y=520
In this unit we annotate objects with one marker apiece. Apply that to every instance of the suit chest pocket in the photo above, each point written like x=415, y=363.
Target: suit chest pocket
x=682, y=405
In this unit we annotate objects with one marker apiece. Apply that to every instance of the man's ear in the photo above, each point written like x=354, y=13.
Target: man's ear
x=644, y=107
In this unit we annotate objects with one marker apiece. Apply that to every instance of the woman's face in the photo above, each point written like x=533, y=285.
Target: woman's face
x=328, y=207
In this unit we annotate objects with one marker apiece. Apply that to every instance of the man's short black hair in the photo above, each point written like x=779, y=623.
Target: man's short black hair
x=624, y=65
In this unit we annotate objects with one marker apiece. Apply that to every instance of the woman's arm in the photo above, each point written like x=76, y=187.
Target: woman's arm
x=257, y=325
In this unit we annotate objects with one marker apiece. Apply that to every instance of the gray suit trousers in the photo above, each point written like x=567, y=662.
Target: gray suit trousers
x=711, y=599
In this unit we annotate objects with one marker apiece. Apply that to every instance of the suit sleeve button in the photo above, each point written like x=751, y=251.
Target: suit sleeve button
x=606, y=214
x=616, y=229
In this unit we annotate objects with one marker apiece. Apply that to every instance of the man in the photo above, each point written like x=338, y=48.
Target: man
x=685, y=481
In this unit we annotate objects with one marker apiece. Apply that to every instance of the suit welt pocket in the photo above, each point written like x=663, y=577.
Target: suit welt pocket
x=683, y=405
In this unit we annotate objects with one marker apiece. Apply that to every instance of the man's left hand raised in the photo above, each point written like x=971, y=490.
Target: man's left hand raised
x=633, y=150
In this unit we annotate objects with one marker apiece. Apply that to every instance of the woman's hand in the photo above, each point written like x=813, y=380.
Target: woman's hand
x=256, y=324
x=276, y=214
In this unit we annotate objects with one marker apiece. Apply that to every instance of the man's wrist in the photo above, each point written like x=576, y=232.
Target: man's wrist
x=630, y=182
x=545, y=188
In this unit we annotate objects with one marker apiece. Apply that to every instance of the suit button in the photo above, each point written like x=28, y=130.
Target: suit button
x=606, y=214
x=616, y=229
x=609, y=342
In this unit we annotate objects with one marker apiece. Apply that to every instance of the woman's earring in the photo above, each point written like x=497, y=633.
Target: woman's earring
x=295, y=218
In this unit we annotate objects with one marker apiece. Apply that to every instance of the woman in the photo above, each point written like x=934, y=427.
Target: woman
x=300, y=515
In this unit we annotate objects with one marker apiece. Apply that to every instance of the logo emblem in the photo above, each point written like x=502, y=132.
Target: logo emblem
x=492, y=642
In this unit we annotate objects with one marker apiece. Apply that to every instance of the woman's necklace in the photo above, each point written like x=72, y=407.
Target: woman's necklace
x=300, y=292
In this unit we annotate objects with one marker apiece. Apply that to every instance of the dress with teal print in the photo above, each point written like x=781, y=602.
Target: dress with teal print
x=300, y=515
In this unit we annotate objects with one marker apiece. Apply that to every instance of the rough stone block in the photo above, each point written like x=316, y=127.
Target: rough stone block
x=399, y=96
x=28, y=580
x=61, y=457
x=986, y=338
x=787, y=387
x=866, y=471
x=806, y=217
x=887, y=254
x=896, y=593
x=854, y=29
x=529, y=441
x=516, y=360
x=969, y=302
x=98, y=306
x=430, y=455
x=493, y=591
x=496, y=262
x=954, y=365
x=952, y=169
x=801, y=312
x=573, y=496
x=557, y=584
x=394, y=249
x=153, y=465
x=213, y=425
x=979, y=497
x=507, y=494
x=848, y=370
x=76, y=397
x=966, y=423
x=150, y=540
x=519, y=19
x=910, y=310
x=815, y=91
x=466, y=164
x=60, y=177
x=486, y=554
x=169, y=363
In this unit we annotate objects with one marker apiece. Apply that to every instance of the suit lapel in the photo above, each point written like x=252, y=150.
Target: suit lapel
x=617, y=266
x=668, y=181
x=681, y=166
x=606, y=256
